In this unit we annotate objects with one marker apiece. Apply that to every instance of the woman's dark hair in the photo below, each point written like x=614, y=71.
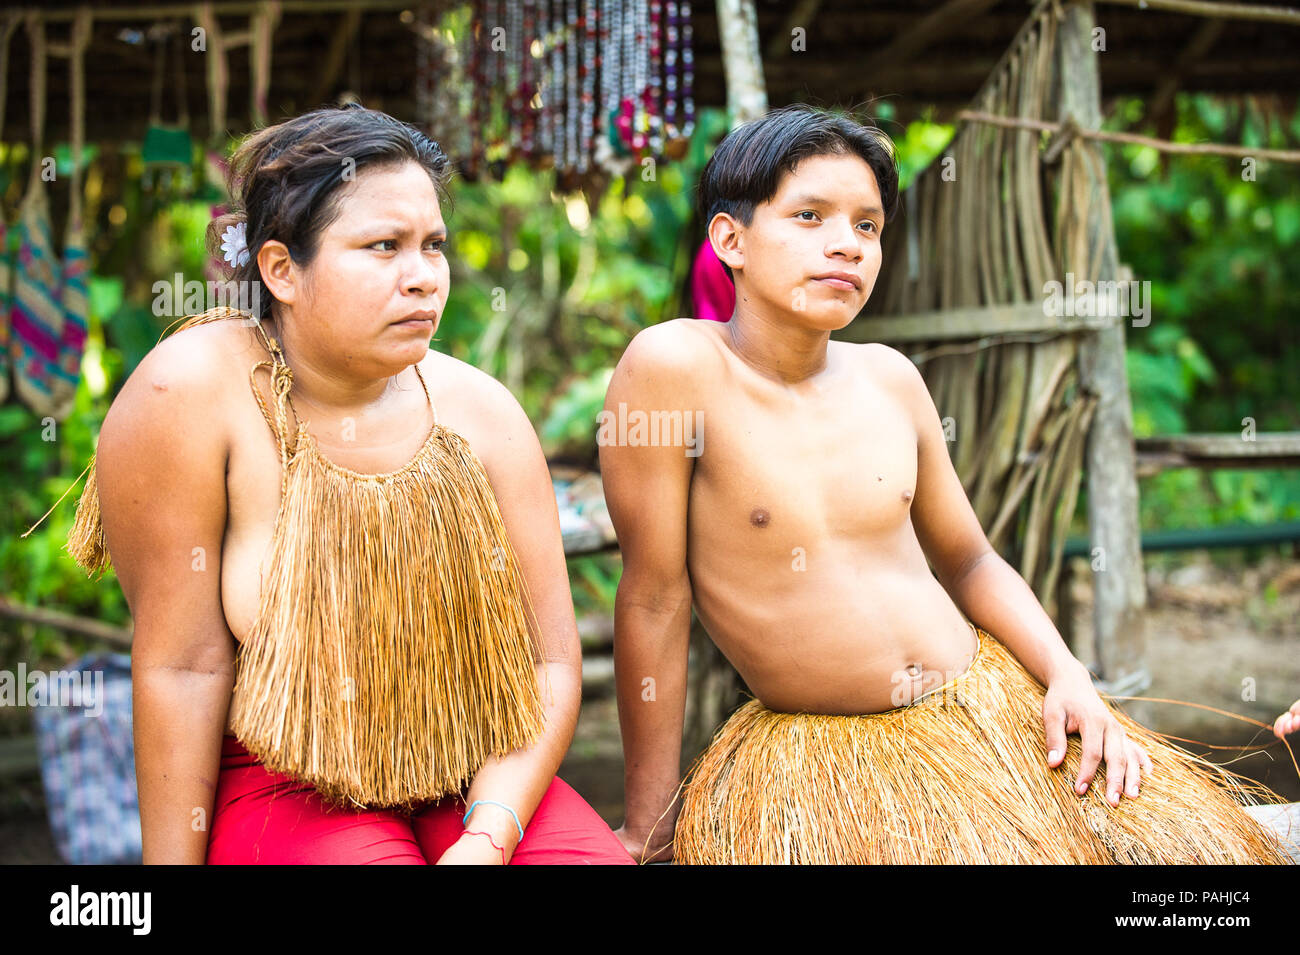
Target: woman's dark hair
x=746, y=168
x=284, y=180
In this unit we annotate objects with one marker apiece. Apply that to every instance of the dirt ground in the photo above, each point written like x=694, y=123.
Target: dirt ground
x=1217, y=635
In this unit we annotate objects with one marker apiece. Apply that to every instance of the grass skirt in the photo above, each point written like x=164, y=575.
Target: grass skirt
x=958, y=776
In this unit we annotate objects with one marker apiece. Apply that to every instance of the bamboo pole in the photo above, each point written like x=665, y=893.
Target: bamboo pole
x=1111, y=473
x=741, y=65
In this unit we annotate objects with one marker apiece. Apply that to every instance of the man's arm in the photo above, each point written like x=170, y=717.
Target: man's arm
x=646, y=489
x=983, y=585
x=161, y=475
x=995, y=598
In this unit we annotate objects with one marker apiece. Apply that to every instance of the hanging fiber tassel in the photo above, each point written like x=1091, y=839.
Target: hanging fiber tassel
x=218, y=72
x=391, y=653
x=86, y=538
x=262, y=26
x=75, y=292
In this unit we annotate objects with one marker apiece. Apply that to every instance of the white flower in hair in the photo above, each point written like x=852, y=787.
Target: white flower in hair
x=234, y=244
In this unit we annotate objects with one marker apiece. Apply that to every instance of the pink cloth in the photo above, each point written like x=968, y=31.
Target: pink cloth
x=269, y=818
x=712, y=291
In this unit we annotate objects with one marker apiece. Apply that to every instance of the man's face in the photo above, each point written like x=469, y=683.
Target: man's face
x=378, y=262
x=812, y=252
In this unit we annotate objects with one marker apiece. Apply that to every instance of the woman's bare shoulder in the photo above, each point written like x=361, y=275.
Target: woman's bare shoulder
x=183, y=386
x=463, y=389
x=477, y=406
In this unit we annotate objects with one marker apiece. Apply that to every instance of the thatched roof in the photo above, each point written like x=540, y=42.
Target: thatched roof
x=916, y=52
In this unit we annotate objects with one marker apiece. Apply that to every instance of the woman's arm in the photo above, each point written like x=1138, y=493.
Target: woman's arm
x=160, y=470
x=521, y=482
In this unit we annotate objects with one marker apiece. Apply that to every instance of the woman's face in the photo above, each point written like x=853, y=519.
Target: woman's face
x=377, y=263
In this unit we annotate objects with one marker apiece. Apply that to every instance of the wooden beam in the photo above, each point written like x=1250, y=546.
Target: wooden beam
x=1151, y=463
x=973, y=322
x=1160, y=145
x=95, y=629
x=1230, y=445
x=1214, y=8
x=237, y=8
x=1280, y=449
x=943, y=21
x=1205, y=37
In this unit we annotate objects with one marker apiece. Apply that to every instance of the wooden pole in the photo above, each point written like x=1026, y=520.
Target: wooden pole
x=1116, y=551
x=741, y=65
x=1217, y=8
x=82, y=626
x=1160, y=145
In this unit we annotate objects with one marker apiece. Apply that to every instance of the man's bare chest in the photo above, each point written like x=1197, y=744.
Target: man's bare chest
x=766, y=474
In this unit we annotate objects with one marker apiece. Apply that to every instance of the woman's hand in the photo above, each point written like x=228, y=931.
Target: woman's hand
x=472, y=848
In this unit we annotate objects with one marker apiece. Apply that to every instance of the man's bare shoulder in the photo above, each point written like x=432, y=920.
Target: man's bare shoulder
x=888, y=368
x=677, y=351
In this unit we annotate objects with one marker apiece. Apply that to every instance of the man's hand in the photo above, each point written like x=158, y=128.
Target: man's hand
x=1288, y=722
x=657, y=850
x=1072, y=705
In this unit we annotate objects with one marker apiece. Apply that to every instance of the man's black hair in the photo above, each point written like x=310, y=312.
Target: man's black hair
x=746, y=168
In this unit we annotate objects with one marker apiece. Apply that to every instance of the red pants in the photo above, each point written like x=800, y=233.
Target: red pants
x=273, y=819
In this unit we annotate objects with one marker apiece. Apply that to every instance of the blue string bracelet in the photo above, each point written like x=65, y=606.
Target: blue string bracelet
x=492, y=802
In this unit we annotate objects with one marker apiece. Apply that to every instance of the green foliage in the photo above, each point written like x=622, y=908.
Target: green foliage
x=1221, y=250
x=573, y=413
x=921, y=143
x=43, y=460
x=594, y=579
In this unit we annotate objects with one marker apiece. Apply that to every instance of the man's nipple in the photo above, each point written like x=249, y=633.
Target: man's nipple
x=759, y=517
x=907, y=495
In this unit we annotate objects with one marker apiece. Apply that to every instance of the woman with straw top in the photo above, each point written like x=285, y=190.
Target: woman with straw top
x=354, y=637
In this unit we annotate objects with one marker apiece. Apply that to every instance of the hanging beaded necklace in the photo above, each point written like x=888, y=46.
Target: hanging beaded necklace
x=572, y=83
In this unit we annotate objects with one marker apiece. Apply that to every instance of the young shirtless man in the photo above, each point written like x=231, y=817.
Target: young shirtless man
x=799, y=522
